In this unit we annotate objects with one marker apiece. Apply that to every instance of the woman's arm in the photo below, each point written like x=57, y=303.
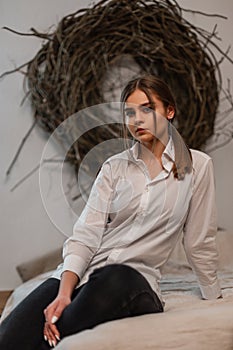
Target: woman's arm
x=88, y=231
x=79, y=249
x=200, y=231
x=69, y=281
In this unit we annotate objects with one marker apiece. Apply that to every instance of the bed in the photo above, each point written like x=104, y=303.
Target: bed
x=187, y=323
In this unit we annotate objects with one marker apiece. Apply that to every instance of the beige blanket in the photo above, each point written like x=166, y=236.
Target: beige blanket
x=187, y=323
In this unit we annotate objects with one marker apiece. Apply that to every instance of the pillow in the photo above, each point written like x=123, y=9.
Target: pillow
x=225, y=247
x=34, y=267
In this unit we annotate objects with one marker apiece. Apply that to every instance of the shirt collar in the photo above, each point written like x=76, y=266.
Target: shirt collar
x=168, y=156
x=169, y=150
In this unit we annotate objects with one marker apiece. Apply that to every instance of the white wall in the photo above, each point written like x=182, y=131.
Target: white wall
x=222, y=157
x=26, y=229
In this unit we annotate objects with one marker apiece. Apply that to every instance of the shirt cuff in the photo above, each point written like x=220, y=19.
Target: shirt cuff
x=75, y=264
x=212, y=291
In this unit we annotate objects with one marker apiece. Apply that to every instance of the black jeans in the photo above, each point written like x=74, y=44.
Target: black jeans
x=112, y=292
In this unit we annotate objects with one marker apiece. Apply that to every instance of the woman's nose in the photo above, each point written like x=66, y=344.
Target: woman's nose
x=138, y=118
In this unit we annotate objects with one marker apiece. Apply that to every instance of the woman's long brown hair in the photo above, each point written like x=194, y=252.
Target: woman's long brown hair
x=152, y=85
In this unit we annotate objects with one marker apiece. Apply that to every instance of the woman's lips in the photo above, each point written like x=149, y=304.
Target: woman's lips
x=140, y=130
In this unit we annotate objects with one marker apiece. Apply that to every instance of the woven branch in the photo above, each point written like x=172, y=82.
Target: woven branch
x=69, y=71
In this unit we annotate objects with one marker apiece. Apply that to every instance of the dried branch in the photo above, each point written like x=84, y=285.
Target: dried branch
x=34, y=33
x=25, y=178
x=216, y=15
x=17, y=69
x=20, y=148
x=30, y=173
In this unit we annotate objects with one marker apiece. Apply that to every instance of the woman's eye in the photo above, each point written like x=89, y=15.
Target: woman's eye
x=146, y=109
x=130, y=114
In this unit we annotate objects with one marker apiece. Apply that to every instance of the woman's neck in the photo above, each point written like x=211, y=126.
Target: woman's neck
x=156, y=147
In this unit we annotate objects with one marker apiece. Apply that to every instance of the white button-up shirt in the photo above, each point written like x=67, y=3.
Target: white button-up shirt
x=135, y=220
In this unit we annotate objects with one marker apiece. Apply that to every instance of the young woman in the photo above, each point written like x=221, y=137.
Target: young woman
x=142, y=201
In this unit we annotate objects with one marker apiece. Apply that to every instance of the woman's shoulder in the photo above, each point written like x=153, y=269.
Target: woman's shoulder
x=117, y=158
x=200, y=159
x=117, y=164
x=199, y=154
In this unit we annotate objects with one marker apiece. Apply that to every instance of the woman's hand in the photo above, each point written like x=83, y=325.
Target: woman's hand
x=69, y=281
x=52, y=314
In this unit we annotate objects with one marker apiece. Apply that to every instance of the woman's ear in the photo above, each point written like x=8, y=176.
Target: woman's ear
x=170, y=112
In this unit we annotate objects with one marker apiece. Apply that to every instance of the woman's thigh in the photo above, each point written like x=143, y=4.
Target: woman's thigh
x=112, y=292
x=24, y=325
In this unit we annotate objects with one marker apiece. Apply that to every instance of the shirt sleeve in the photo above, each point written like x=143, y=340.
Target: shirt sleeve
x=200, y=232
x=88, y=231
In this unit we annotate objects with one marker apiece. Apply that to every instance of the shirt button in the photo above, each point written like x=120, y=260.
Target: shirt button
x=147, y=188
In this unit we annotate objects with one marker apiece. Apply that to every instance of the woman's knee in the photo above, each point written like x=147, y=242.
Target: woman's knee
x=145, y=303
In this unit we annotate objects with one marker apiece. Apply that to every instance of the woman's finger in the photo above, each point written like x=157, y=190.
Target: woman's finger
x=54, y=330
x=50, y=334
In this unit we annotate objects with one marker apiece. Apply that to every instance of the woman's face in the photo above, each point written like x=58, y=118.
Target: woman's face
x=145, y=122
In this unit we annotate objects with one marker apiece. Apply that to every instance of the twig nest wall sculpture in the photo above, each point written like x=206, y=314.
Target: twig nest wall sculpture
x=70, y=70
